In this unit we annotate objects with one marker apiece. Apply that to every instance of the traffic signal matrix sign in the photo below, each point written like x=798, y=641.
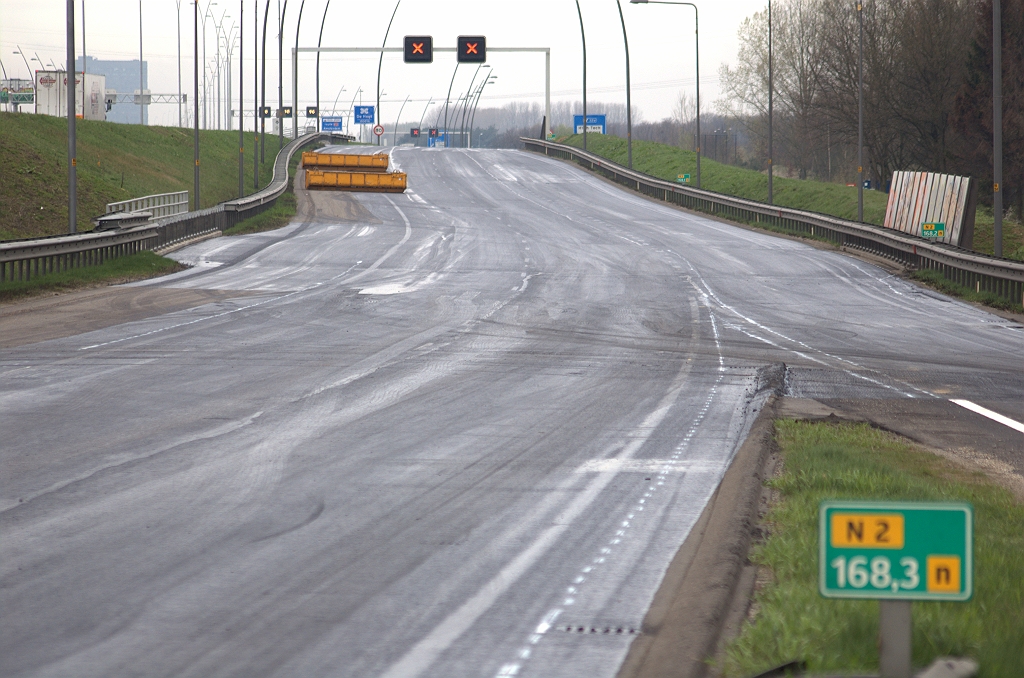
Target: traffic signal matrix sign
x=415, y=132
x=472, y=49
x=419, y=49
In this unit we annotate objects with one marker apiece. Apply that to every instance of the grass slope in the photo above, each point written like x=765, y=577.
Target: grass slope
x=844, y=461
x=667, y=162
x=115, y=162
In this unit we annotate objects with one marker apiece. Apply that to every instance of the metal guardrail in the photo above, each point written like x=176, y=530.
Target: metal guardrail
x=160, y=205
x=1003, y=277
x=27, y=259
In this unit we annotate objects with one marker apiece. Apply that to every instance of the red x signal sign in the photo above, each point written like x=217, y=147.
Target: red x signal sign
x=419, y=49
x=472, y=49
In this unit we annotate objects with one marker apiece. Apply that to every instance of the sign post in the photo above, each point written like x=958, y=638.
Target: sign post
x=896, y=552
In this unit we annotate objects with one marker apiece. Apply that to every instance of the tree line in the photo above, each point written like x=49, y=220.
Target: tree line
x=927, y=89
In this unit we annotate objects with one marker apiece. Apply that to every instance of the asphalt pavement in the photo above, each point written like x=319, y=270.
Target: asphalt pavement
x=459, y=431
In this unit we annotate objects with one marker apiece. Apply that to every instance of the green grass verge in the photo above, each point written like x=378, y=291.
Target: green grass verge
x=116, y=271
x=115, y=162
x=277, y=216
x=847, y=461
x=668, y=162
x=936, y=280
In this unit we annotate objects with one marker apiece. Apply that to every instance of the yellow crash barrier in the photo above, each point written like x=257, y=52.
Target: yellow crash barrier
x=377, y=162
x=393, y=182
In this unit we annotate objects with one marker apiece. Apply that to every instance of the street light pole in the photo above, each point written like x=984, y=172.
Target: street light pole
x=997, y=126
x=771, y=95
x=380, y=62
x=447, y=99
x=583, y=36
x=28, y=68
x=263, y=84
x=241, y=98
x=419, y=125
x=696, y=37
x=177, y=4
x=142, y=95
x=394, y=136
x=629, y=107
x=860, y=113
x=319, y=42
x=72, y=141
x=280, y=74
x=465, y=105
x=295, y=76
x=195, y=103
x=472, y=120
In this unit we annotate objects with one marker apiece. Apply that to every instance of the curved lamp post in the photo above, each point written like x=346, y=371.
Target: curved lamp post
x=472, y=120
x=319, y=42
x=380, y=62
x=583, y=36
x=394, y=135
x=629, y=106
x=696, y=33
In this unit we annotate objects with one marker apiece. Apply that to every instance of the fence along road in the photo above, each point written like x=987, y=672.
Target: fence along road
x=447, y=439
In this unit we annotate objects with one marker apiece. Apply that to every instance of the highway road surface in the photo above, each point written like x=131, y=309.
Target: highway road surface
x=459, y=431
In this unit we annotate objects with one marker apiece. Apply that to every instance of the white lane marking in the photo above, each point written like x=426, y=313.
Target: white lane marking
x=994, y=416
x=366, y=230
x=408, y=234
x=643, y=466
x=427, y=650
x=661, y=473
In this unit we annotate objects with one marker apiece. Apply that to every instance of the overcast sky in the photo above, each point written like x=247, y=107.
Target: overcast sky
x=661, y=47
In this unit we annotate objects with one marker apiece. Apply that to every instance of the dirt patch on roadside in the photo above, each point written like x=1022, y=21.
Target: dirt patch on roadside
x=64, y=315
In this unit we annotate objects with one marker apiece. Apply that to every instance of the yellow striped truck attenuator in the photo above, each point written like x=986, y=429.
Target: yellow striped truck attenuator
x=392, y=182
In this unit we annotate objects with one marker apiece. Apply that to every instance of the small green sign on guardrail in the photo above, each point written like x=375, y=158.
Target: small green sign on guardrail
x=933, y=230
x=683, y=178
x=896, y=551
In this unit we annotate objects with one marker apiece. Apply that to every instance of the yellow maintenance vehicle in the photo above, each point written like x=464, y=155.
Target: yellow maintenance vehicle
x=352, y=172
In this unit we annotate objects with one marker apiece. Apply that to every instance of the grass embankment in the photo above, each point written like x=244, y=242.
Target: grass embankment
x=114, y=272
x=668, y=162
x=115, y=162
x=844, y=461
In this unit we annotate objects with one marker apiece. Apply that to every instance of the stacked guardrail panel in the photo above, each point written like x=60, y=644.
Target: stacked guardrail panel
x=1003, y=277
x=352, y=172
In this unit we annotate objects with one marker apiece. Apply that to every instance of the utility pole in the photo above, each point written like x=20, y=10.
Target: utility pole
x=255, y=99
x=72, y=142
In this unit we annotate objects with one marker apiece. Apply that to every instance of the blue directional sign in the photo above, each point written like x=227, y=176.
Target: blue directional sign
x=333, y=123
x=364, y=115
x=595, y=124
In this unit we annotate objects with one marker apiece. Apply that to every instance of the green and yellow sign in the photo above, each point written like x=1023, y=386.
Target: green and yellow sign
x=933, y=230
x=683, y=178
x=896, y=550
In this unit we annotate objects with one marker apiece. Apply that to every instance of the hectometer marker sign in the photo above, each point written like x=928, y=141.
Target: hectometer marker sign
x=896, y=550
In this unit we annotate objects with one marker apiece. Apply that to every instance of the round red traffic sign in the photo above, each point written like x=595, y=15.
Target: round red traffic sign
x=378, y=129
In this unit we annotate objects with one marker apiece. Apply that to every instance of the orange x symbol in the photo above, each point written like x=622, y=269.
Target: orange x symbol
x=471, y=47
x=417, y=48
